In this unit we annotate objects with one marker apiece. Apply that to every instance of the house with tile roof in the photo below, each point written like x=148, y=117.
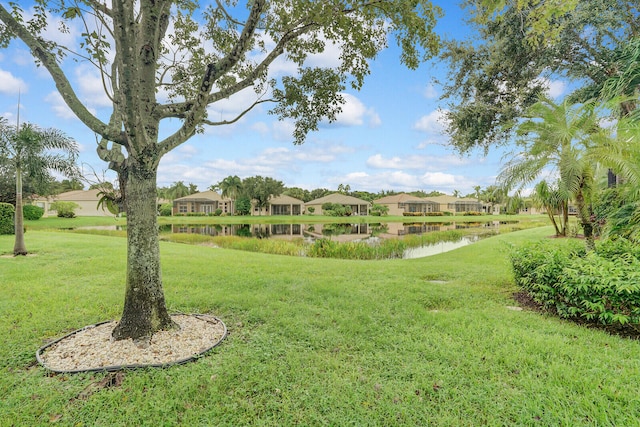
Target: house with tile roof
x=204, y=203
x=280, y=205
x=87, y=201
x=398, y=204
x=358, y=206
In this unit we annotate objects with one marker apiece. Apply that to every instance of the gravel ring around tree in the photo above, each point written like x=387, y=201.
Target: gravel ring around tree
x=91, y=349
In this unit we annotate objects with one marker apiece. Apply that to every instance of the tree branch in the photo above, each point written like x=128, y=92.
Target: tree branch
x=195, y=111
x=62, y=83
x=239, y=116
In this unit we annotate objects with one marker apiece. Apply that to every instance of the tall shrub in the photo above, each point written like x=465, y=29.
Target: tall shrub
x=65, y=209
x=32, y=212
x=6, y=218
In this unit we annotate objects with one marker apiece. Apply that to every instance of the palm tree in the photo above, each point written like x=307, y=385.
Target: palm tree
x=477, y=189
x=231, y=186
x=35, y=152
x=559, y=139
x=554, y=201
x=178, y=189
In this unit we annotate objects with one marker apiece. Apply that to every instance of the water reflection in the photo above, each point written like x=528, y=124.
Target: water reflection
x=438, y=248
x=338, y=231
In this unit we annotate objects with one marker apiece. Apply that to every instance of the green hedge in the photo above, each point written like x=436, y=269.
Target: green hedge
x=423, y=213
x=601, y=286
x=32, y=212
x=6, y=218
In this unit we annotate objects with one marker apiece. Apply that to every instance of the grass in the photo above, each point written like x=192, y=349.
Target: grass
x=429, y=341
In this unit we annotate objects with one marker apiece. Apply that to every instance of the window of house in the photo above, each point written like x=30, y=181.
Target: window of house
x=182, y=207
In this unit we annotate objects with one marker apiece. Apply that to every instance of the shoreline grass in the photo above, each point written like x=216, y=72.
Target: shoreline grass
x=430, y=341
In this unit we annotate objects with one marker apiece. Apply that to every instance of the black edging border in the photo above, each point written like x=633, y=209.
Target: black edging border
x=115, y=368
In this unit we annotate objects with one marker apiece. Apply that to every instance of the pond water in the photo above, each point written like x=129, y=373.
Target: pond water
x=438, y=248
x=338, y=232
x=360, y=232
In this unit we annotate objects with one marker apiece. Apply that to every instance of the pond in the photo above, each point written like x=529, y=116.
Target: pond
x=370, y=233
x=338, y=231
x=420, y=239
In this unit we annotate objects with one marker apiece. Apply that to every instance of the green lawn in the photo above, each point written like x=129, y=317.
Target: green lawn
x=430, y=341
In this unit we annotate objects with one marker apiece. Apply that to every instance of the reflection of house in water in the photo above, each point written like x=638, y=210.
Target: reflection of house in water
x=338, y=232
x=277, y=230
x=403, y=229
x=205, y=229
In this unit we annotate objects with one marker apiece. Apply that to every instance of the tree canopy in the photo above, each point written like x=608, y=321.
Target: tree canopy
x=494, y=79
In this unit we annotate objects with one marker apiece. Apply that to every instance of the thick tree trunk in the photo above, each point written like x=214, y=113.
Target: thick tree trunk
x=19, y=247
x=145, y=310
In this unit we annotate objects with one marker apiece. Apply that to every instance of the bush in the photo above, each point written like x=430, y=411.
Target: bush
x=165, y=209
x=336, y=209
x=379, y=210
x=602, y=285
x=32, y=212
x=218, y=212
x=472, y=213
x=65, y=209
x=243, y=206
x=6, y=218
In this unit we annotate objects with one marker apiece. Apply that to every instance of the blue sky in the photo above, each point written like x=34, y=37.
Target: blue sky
x=389, y=136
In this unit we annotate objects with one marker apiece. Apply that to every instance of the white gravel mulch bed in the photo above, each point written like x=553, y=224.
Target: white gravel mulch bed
x=92, y=348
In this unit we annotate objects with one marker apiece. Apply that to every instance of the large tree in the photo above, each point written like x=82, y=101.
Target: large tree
x=230, y=187
x=495, y=77
x=210, y=54
x=260, y=190
x=34, y=152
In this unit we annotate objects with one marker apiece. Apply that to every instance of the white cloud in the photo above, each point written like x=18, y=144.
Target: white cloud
x=403, y=181
x=60, y=108
x=427, y=142
x=10, y=84
x=415, y=161
x=432, y=123
x=183, y=165
x=91, y=87
x=283, y=130
x=430, y=92
x=260, y=127
x=557, y=88
x=355, y=113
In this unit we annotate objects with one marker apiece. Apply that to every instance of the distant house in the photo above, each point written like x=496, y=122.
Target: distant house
x=207, y=202
x=87, y=201
x=400, y=203
x=280, y=205
x=456, y=205
x=358, y=206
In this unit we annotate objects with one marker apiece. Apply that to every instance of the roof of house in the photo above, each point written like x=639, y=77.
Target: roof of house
x=283, y=199
x=201, y=197
x=343, y=199
x=396, y=198
x=78, y=195
x=451, y=199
